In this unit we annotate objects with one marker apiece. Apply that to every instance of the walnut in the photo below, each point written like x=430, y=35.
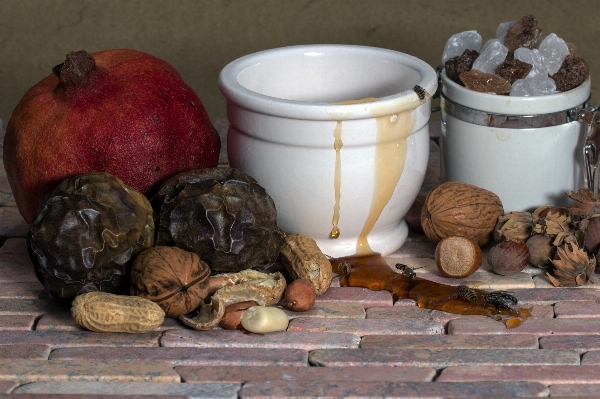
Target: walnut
x=460, y=209
x=175, y=279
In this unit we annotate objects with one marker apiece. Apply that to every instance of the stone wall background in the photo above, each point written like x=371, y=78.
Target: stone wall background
x=199, y=37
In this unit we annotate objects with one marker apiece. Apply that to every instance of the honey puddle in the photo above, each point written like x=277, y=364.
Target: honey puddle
x=390, y=156
x=372, y=272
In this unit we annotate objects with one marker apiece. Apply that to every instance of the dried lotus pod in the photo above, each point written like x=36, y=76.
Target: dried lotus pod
x=223, y=215
x=175, y=279
x=460, y=209
x=86, y=234
x=514, y=226
x=572, y=267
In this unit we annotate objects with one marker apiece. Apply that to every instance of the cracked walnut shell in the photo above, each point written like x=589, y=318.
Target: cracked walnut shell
x=175, y=279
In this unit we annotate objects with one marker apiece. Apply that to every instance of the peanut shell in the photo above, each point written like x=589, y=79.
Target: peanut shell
x=104, y=312
x=303, y=258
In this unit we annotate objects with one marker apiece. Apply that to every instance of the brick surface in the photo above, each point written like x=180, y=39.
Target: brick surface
x=580, y=343
x=363, y=296
x=577, y=309
x=16, y=290
x=378, y=389
x=591, y=357
x=13, y=224
x=551, y=296
x=85, y=370
x=206, y=390
x=17, y=269
x=237, y=339
x=13, y=246
x=62, y=320
x=451, y=342
x=65, y=339
x=410, y=312
x=575, y=390
x=539, y=327
x=16, y=322
x=24, y=352
x=87, y=396
x=440, y=358
x=547, y=375
x=331, y=310
x=8, y=386
x=405, y=302
x=414, y=249
x=283, y=373
x=189, y=356
x=367, y=326
x=34, y=307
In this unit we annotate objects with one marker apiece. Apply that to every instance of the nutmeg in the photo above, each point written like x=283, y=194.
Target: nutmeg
x=300, y=295
x=233, y=314
x=541, y=250
x=457, y=257
x=509, y=257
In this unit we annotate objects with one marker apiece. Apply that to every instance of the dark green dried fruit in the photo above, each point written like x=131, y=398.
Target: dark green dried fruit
x=86, y=234
x=221, y=214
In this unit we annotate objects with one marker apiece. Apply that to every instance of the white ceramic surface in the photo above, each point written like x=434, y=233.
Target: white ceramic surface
x=526, y=168
x=326, y=158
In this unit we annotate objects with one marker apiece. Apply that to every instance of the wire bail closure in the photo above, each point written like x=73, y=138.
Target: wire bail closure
x=589, y=114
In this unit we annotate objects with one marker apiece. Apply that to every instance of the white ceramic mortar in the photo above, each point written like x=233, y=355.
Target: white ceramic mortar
x=289, y=131
x=525, y=167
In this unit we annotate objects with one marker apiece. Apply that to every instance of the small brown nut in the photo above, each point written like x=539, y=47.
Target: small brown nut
x=592, y=235
x=233, y=314
x=541, y=250
x=457, y=257
x=509, y=257
x=300, y=295
x=303, y=258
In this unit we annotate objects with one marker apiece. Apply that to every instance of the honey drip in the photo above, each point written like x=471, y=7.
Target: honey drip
x=372, y=272
x=390, y=156
x=337, y=178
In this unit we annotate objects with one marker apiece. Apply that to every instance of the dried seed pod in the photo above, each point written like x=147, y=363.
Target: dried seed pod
x=509, y=257
x=221, y=214
x=554, y=222
x=302, y=258
x=513, y=226
x=457, y=257
x=572, y=267
x=104, y=312
x=460, y=209
x=86, y=234
x=300, y=295
x=175, y=279
x=541, y=250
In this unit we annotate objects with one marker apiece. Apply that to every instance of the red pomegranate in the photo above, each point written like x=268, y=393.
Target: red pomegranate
x=118, y=111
